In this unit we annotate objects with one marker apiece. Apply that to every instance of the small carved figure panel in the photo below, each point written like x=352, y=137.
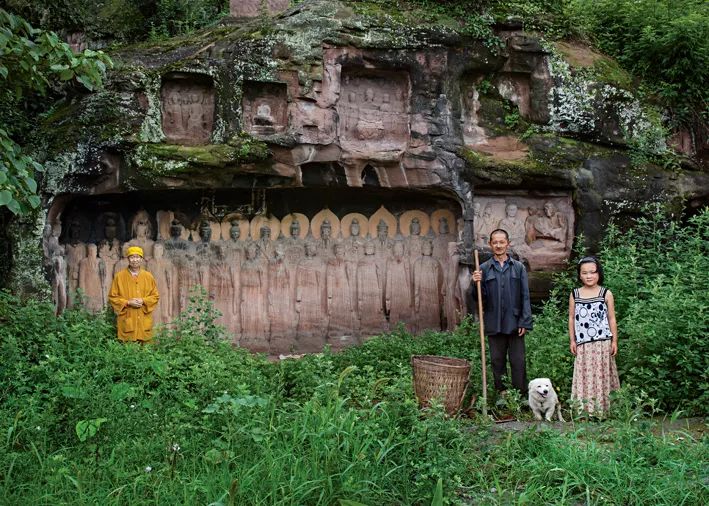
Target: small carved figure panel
x=540, y=229
x=254, y=8
x=265, y=107
x=373, y=110
x=187, y=110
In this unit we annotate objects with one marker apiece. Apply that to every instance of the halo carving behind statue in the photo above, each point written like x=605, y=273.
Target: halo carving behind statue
x=347, y=221
x=302, y=220
x=243, y=227
x=382, y=214
x=406, y=218
x=270, y=221
x=450, y=218
x=318, y=219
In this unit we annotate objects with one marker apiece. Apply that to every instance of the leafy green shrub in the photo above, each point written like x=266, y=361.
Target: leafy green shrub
x=658, y=271
x=665, y=42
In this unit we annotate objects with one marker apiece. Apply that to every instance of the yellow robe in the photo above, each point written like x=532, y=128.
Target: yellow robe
x=134, y=324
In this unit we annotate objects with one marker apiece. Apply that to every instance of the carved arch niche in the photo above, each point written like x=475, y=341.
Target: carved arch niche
x=187, y=104
x=265, y=107
x=374, y=111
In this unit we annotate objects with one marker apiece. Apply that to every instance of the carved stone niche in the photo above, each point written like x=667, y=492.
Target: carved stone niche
x=374, y=113
x=265, y=107
x=252, y=8
x=541, y=229
x=187, y=108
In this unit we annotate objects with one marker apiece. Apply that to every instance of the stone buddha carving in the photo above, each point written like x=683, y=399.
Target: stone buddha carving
x=340, y=303
x=398, y=296
x=309, y=300
x=164, y=273
x=253, y=280
x=281, y=313
x=59, y=279
x=429, y=289
x=91, y=270
x=370, y=290
x=514, y=226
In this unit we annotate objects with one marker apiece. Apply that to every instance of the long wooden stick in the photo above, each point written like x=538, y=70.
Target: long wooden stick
x=482, y=336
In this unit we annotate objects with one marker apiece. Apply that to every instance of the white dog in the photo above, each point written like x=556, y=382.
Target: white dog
x=543, y=400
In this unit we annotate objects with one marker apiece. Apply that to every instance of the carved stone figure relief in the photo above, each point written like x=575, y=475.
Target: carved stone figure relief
x=253, y=8
x=187, y=109
x=281, y=285
x=373, y=110
x=540, y=229
x=265, y=107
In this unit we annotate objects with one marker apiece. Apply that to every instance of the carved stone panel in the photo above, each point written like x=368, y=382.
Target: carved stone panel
x=253, y=8
x=291, y=282
x=187, y=103
x=540, y=229
x=265, y=107
x=373, y=110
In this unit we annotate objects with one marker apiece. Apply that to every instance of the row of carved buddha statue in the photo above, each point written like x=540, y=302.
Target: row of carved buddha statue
x=333, y=284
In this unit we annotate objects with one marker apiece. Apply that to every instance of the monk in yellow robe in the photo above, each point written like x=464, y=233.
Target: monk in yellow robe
x=134, y=296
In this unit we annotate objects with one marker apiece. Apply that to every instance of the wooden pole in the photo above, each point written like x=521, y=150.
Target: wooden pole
x=482, y=336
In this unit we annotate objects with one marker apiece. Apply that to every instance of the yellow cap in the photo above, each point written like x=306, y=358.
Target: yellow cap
x=135, y=250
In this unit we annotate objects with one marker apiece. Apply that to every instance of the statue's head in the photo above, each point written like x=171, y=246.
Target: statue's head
x=398, y=249
x=326, y=230
x=443, y=227
x=427, y=248
x=415, y=227
x=205, y=231
x=549, y=209
x=175, y=229
x=339, y=250
x=354, y=227
x=158, y=250
x=310, y=249
x=382, y=229
x=251, y=251
x=235, y=230
x=265, y=232
x=295, y=228
x=511, y=210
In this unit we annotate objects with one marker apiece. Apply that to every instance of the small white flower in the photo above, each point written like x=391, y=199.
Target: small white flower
x=38, y=427
x=175, y=447
x=132, y=406
x=148, y=469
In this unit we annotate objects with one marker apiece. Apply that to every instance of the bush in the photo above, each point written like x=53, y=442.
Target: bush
x=665, y=42
x=658, y=271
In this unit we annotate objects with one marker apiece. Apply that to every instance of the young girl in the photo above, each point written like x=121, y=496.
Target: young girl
x=593, y=338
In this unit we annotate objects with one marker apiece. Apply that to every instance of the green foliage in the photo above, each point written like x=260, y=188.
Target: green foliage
x=665, y=42
x=194, y=420
x=122, y=21
x=658, y=271
x=32, y=62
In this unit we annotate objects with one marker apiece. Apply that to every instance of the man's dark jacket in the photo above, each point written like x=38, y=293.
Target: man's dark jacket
x=508, y=308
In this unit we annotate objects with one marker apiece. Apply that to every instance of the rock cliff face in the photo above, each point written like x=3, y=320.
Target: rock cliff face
x=283, y=161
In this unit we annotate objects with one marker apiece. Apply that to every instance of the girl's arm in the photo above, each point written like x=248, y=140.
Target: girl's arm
x=572, y=332
x=610, y=302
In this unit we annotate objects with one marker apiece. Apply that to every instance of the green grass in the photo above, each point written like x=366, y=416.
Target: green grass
x=191, y=420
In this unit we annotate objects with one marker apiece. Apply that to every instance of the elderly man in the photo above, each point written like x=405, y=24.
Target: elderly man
x=134, y=296
x=507, y=314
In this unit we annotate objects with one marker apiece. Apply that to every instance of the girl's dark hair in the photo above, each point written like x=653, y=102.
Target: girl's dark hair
x=590, y=260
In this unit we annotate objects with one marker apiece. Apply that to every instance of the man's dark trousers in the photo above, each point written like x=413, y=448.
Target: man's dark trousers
x=500, y=346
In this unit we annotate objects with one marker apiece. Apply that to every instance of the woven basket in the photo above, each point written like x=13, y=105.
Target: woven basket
x=445, y=378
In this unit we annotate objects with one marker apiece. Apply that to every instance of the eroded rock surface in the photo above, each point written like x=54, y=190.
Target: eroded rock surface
x=338, y=150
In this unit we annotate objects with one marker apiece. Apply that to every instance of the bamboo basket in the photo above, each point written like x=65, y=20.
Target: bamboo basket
x=445, y=378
